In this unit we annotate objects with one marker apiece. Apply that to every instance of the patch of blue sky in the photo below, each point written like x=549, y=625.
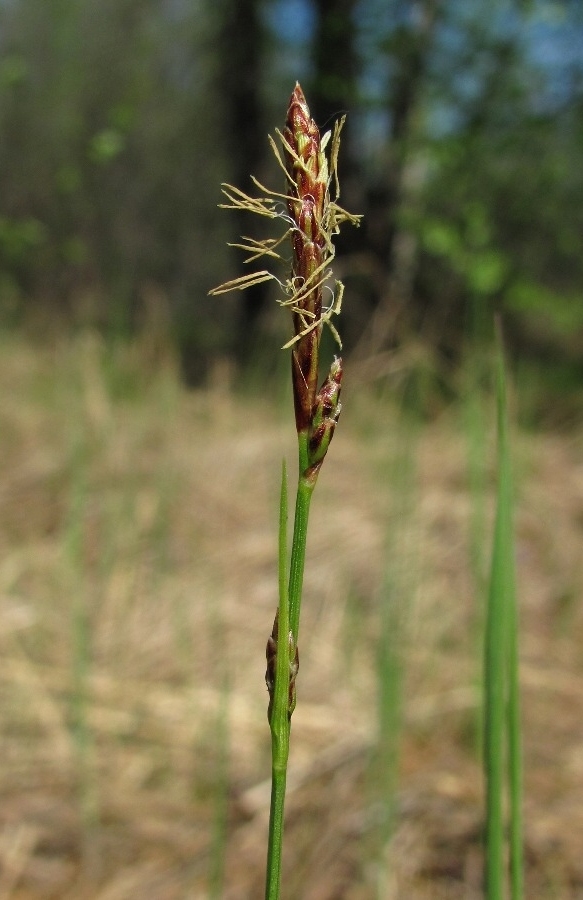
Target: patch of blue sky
x=549, y=37
x=555, y=46
x=375, y=22
x=292, y=21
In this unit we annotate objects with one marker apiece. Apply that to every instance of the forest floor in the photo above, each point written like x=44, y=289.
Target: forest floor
x=137, y=591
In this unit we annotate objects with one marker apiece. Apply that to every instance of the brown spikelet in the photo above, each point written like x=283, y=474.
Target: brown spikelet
x=307, y=169
x=294, y=665
x=313, y=217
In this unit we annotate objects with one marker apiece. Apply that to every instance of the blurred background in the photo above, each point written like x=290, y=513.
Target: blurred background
x=140, y=448
x=120, y=120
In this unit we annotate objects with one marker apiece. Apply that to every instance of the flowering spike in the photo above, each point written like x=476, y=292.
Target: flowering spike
x=307, y=169
x=325, y=415
x=303, y=159
x=312, y=218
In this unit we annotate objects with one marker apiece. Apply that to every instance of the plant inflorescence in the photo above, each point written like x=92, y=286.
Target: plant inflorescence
x=312, y=217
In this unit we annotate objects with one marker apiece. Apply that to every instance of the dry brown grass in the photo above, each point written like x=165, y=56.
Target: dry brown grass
x=148, y=513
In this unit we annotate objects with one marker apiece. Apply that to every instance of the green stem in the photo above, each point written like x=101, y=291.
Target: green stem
x=494, y=710
x=514, y=739
x=290, y=596
x=273, y=880
x=298, y=553
x=280, y=721
x=502, y=707
x=515, y=764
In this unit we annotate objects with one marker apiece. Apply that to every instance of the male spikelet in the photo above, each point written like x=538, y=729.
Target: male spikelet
x=312, y=218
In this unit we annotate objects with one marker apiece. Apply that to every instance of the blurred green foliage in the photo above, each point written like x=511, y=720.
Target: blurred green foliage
x=119, y=119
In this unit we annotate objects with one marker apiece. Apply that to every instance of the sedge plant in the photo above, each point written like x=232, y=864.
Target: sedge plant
x=312, y=216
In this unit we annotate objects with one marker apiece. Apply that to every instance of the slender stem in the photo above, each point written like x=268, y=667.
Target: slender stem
x=502, y=712
x=298, y=553
x=494, y=711
x=280, y=718
x=514, y=737
x=273, y=880
x=515, y=763
x=289, y=617
x=496, y=656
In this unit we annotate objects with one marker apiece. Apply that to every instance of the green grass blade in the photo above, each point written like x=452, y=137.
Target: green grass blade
x=280, y=721
x=514, y=739
x=300, y=537
x=494, y=701
x=515, y=763
x=396, y=602
x=502, y=750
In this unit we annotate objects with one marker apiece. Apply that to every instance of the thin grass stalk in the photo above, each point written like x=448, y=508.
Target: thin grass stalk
x=279, y=710
x=502, y=739
x=494, y=707
x=478, y=376
x=300, y=537
x=395, y=605
x=312, y=217
x=515, y=765
x=514, y=727
x=389, y=666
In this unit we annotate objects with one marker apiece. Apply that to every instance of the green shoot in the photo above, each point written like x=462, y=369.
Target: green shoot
x=502, y=741
x=312, y=216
